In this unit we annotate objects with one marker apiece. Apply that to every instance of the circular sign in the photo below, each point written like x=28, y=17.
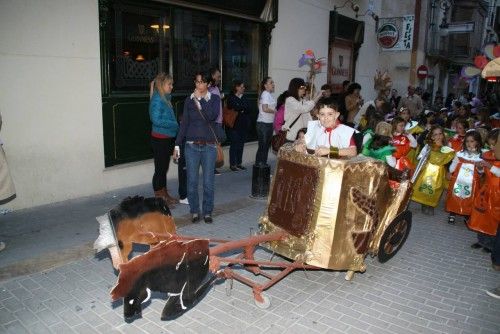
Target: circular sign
x=387, y=35
x=422, y=72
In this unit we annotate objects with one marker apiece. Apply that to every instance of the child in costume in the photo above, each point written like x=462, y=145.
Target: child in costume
x=379, y=147
x=403, y=142
x=326, y=136
x=411, y=127
x=485, y=214
x=430, y=182
x=465, y=177
x=456, y=142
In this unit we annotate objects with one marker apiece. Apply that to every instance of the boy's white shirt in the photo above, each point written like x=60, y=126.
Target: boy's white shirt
x=316, y=136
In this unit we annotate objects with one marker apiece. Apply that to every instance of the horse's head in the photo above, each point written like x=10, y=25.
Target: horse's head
x=107, y=239
x=135, y=219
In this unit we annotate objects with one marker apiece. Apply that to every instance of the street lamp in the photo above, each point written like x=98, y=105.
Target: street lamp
x=354, y=6
x=445, y=6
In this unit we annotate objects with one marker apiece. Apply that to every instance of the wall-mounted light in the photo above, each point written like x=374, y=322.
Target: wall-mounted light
x=157, y=26
x=354, y=6
x=139, y=57
x=373, y=16
x=445, y=6
x=369, y=12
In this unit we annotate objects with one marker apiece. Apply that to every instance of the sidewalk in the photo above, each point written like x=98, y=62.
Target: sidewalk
x=435, y=284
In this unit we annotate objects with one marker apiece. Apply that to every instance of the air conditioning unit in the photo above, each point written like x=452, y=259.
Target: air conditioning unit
x=402, y=66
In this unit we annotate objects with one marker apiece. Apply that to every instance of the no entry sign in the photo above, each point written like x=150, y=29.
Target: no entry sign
x=422, y=72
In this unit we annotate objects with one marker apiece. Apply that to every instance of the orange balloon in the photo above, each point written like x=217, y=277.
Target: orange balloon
x=496, y=51
x=480, y=61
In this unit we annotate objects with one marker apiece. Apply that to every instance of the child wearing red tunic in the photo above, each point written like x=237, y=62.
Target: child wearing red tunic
x=465, y=176
x=456, y=142
x=403, y=142
x=485, y=215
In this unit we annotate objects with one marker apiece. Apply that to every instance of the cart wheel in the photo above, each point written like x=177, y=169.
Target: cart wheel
x=394, y=237
x=229, y=287
x=266, y=303
x=349, y=275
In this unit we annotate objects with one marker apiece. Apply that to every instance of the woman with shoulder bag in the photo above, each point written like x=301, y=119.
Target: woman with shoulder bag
x=197, y=130
x=297, y=109
x=238, y=133
x=164, y=130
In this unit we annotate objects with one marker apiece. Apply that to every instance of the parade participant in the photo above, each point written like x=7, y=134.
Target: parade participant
x=297, y=109
x=411, y=127
x=163, y=132
x=403, y=143
x=485, y=214
x=264, y=126
x=430, y=182
x=465, y=177
x=373, y=117
x=456, y=142
x=197, y=130
x=326, y=136
x=379, y=147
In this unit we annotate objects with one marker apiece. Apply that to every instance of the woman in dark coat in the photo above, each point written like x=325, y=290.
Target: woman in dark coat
x=238, y=134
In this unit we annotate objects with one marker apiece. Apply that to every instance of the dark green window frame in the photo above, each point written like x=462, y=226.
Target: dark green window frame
x=126, y=126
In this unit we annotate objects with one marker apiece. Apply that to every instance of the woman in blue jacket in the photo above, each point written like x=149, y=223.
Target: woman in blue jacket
x=163, y=133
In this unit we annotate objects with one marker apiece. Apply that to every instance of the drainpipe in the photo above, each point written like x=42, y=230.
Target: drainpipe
x=413, y=62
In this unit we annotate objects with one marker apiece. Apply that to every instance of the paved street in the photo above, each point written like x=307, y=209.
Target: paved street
x=52, y=282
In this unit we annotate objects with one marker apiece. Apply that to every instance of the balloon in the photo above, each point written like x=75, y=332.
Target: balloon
x=470, y=71
x=302, y=61
x=480, y=61
x=488, y=50
x=496, y=51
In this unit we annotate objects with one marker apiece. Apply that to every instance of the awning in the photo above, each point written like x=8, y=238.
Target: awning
x=492, y=69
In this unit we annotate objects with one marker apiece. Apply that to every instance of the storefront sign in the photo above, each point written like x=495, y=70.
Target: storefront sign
x=396, y=33
x=387, y=35
x=339, y=65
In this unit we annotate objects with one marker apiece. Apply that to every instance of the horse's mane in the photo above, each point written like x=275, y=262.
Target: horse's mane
x=133, y=207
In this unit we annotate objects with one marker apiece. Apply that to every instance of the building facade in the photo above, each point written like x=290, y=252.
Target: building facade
x=75, y=74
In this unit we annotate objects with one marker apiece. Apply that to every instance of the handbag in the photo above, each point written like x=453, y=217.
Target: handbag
x=280, y=138
x=229, y=117
x=219, y=161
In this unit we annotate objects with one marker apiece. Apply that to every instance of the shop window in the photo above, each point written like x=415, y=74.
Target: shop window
x=241, y=45
x=140, y=47
x=196, y=38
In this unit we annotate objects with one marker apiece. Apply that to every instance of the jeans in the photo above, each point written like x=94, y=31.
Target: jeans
x=200, y=155
x=495, y=252
x=162, y=150
x=182, y=173
x=264, y=134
